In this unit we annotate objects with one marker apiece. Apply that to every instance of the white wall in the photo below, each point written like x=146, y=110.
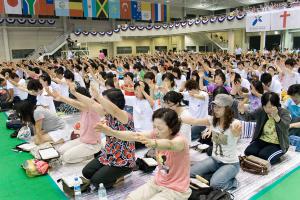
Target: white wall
x=195, y=40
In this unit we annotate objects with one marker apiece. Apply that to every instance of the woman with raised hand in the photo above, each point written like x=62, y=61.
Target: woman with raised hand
x=89, y=142
x=222, y=167
x=172, y=179
x=117, y=158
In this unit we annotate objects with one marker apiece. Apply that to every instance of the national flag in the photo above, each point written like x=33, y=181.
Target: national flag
x=46, y=7
x=75, y=7
x=136, y=11
x=158, y=11
x=62, y=8
x=88, y=8
x=125, y=9
x=114, y=9
x=103, y=8
x=13, y=7
x=168, y=13
x=1, y=7
x=30, y=7
x=146, y=11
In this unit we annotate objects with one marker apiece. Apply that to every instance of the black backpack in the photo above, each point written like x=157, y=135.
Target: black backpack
x=210, y=194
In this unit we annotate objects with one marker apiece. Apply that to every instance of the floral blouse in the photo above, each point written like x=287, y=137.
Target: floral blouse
x=118, y=153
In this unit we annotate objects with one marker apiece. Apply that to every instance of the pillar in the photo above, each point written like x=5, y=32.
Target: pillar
x=5, y=41
x=231, y=41
x=244, y=44
x=287, y=40
x=65, y=25
x=262, y=41
x=170, y=46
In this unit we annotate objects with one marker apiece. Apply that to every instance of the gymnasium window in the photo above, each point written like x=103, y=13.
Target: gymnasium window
x=191, y=48
x=161, y=48
x=124, y=50
x=21, y=53
x=142, y=49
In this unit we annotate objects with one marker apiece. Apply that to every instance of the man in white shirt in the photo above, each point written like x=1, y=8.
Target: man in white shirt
x=18, y=93
x=198, y=105
x=238, y=52
x=270, y=84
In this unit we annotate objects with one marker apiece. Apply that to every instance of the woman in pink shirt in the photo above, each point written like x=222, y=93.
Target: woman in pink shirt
x=101, y=55
x=84, y=147
x=172, y=179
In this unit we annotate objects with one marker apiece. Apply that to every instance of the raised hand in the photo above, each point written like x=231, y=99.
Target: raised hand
x=150, y=143
x=236, y=128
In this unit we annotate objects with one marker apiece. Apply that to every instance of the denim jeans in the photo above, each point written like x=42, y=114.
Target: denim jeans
x=196, y=131
x=221, y=175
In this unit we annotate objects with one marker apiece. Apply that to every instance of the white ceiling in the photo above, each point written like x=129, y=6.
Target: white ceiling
x=213, y=4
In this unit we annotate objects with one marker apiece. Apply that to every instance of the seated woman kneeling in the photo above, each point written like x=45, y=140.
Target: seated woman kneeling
x=222, y=167
x=48, y=126
x=172, y=151
x=84, y=147
x=270, y=140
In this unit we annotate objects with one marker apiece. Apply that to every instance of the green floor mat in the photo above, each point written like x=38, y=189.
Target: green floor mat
x=14, y=183
x=285, y=188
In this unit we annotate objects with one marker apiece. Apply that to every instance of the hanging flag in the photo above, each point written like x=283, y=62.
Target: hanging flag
x=46, y=7
x=103, y=8
x=125, y=9
x=146, y=11
x=136, y=12
x=168, y=13
x=165, y=13
x=30, y=7
x=88, y=8
x=13, y=7
x=1, y=7
x=62, y=8
x=114, y=9
x=158, y=12
x=75, y=7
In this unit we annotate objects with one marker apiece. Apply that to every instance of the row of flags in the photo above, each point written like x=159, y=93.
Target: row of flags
x=115, y=9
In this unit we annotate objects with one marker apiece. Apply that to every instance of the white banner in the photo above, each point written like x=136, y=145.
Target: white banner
x=285, y=19
x=256, y=22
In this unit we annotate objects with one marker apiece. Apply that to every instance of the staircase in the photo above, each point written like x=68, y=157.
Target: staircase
x=222, y=45
x=50, y=49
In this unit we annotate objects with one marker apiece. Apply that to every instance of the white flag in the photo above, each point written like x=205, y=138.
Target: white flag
x=13, y=7
x=256, y=22
x=285, y=19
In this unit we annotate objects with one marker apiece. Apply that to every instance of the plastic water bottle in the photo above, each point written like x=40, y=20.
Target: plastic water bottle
x=102, y=192
x=77, y=189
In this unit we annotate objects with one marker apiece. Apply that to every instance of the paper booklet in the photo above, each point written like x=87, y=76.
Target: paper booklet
x=27, y=146
x=49, y=153
x=150, y=161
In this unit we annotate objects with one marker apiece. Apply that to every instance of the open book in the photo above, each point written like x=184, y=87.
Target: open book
x=48, y=153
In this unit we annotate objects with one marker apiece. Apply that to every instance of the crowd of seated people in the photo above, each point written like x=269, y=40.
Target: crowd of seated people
x=163, y=100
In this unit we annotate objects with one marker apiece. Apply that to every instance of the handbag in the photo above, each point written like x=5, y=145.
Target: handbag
x=24, y=133
x=147, y=165
x=254, y=165
x=34, y=167
x=14, y=124
x=68, y=185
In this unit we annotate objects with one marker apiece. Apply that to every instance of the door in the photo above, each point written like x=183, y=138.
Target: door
x=105, y=52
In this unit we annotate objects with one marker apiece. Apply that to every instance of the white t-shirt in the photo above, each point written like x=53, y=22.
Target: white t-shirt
x=242, y=72
x=275, y=86
x=245, y=83
x=46, y=101
x=142, y=113
x=64, y=88
x=290, y=79
x=224, y=144
x=238, y=51
x=185, y=129
x=78, y=78
x=9, y=85
x=198, y=108
x=179, y=82
x=20, y=93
